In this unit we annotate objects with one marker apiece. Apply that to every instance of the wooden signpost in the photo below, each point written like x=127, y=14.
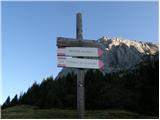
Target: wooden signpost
x=73, y=52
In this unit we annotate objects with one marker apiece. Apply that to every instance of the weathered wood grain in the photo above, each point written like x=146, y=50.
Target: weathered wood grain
x=71, y=42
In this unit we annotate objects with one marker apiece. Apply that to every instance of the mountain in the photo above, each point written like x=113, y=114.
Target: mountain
x=121, y=54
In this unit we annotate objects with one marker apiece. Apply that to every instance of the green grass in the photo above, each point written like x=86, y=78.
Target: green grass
x=29, y=112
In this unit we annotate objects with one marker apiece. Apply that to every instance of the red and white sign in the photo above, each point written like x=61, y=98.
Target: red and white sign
x=79, y=62
x=80, y=51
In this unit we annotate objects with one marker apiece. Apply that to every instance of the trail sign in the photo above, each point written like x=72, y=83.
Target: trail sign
x=79, y=63
x=80, y=51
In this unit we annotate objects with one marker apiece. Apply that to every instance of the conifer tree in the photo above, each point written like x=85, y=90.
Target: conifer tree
x=6, y=103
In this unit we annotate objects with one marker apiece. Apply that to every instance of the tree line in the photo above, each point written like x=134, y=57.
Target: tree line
x=134, y=90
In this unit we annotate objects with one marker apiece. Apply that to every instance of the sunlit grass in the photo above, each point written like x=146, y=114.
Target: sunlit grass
x=25, y=111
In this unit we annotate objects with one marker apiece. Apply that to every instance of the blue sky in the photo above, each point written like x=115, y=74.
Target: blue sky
x=29, y=31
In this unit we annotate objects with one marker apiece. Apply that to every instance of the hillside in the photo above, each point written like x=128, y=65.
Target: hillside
x=136, y=90
x=30, y=112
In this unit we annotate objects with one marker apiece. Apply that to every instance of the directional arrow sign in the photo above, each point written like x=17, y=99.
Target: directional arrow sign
x=79, y=63
x=80, y=51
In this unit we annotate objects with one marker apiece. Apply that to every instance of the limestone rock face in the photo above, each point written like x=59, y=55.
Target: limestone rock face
x=120, y=54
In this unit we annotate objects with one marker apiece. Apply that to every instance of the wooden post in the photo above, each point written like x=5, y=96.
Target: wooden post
x=80, y=75
x=79, y=26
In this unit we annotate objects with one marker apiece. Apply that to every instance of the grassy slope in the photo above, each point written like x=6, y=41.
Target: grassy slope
x=25, y=111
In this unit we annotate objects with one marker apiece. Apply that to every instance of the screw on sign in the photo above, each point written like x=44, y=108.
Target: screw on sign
x=72, y=52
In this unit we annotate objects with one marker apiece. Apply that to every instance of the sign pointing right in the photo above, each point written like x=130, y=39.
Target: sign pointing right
x=80, y=51
x=79, y=63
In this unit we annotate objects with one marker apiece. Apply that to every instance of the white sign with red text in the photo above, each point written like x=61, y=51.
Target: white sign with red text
x=80, y=51
x=79, y=62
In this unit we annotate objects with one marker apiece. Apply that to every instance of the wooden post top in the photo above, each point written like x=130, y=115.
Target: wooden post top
x=79, y=32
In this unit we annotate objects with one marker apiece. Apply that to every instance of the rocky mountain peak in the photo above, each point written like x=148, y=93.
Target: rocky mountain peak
x=142, y=47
